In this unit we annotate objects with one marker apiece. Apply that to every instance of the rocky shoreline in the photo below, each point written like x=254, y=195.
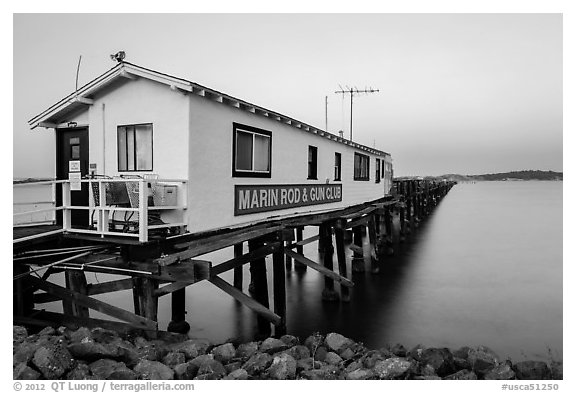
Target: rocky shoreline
x=85, y=354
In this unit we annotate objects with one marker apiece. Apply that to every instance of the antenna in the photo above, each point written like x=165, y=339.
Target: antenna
x=78, y=72
x=353, y=91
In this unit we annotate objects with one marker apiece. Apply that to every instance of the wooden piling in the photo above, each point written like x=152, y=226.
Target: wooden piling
x=279, y=273
x=358, y=258
x=326, y=253
x=238, y=272
x=300, y=267
x=341, y=255
x=373, y=239
x=76, y=281
x=259, y=286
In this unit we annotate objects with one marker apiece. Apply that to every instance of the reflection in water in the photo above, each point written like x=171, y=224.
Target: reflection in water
x=484, y=269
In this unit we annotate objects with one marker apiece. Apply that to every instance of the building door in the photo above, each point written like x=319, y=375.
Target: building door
x=72, y=158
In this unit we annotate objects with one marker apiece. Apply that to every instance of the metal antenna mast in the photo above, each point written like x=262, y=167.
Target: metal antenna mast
x=353, y=91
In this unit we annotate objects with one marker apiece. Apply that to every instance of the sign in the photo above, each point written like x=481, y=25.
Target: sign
x=74, y=166
x=258, y=198
x=75, y=184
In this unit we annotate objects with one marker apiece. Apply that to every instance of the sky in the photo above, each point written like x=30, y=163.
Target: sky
x=458, y=93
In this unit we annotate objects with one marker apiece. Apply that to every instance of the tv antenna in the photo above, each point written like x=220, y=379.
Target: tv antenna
x=352, y=91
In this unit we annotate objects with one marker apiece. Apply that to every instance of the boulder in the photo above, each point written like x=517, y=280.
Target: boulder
x=190, y=348
x=272, y=345
x=186, y=371
x=153, y=352
x=416, y=352
x=531, y=369
x=502, y=371
x=148, y=369
x=461, y=375
x=104, y=368
x=557, y=370
x=370, y=358
x=462, y=364
x=307, y=364
x=462, y=352
x=347, y=354
x=24, y=352
x=19, y=334
x=232, y=366
x=91, y=350
x=335, y=342
x=320, y=353
x=482, y=360
x=298, y=352
x=224, y=353
x=211, y=369
x=174, y=358
x=333, y=358
x=399, y=350
x=290, y=340
x=239, y=374
x=47, y=331
x=392, y=368
x=23, y=372
x=359, y=374
x=355, y=365
x=440, y=359
x=257, y=363
x=245, y=351
x=283, y=367
x=80, y=335
x=80, y=372
x=104, y=336
x=313, y=342
x=53, y=360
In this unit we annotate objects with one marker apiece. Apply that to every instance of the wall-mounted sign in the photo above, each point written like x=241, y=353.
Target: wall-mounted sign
x=74, y=166
x=75, y=184
x=259, y=198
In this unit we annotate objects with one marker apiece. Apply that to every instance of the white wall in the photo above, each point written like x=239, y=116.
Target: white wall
x=211, y=194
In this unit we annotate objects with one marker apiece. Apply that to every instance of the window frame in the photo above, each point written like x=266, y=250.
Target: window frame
x=337, y=166
x=314, y=163
x=358, y=173
x=254, y=131
x=125, y=126
x=378, y=173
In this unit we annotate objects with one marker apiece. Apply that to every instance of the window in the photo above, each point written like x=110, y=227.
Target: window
x=361, y=167
x=377, y=170
x=312, y=162
x=252, y=152
x=135, y=147
x=384, y=165
x=337, y=166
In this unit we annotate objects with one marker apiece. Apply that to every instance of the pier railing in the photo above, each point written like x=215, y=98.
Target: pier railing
x=128, y=207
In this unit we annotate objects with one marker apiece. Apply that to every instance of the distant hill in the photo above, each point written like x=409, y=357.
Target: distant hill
x=506, y=176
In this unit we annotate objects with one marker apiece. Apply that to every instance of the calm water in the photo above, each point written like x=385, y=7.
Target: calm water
x=484, y=269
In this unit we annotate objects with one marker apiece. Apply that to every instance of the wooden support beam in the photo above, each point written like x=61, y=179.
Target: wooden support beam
x=305, y=241
x=246, y=300
x=94, y=304
x=341, y=254
x=319, y=268
x=279, y=277
x=299, y=249
x=76, y=281
x=359, y=221
x=170, y=288
x=358, y=258
x=238, y=270
x=243, y=259
x=259, y=281
x=109, y=286
x=326, y=253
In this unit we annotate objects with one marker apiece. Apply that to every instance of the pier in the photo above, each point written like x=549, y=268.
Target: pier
x=167, y=265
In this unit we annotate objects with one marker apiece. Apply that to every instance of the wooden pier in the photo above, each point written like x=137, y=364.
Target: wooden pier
x=163, y=267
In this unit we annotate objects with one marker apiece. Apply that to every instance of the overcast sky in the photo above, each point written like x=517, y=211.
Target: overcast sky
x=459, y=93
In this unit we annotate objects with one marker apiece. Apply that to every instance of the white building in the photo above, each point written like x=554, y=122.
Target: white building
x=240, y=162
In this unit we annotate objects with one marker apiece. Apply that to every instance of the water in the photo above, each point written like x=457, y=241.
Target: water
x=484, y=269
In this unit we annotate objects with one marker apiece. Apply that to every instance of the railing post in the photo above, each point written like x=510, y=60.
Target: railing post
x=102, y=214
x=142, y=211
x=66, y=213
x=53, y=186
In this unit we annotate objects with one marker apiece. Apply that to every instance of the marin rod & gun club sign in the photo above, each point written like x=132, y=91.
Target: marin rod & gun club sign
x=259, y=198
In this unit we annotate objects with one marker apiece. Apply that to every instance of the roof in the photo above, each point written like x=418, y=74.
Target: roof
x=49, y=118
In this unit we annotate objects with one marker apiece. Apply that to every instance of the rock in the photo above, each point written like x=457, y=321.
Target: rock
x=186, y=371
x=190, y=348
x=211, y=369
x=239, y=374
x=298, y=352
x=347, y=354
x=53, y=360
x=305, y=364
x=461, y=375
x=333, y=358
x=290, y=340
x=182, y=327
x=174, y=358
x=23, y=372
x=246, y=350
x=154, y=353
x=320, y=353
x=462, y=364
x=104, y=336
x=557, y=370
x=232, y=366
x=440, y=359
x=416, y=352
x=462, y=352
x=353, y=366
x=148, y=369
x=335, y=342
x=80, y=372
x=399, y=350
x=283, y=367
x=47, y=331
x=531, y=369
x=502, y=371
x=81, y=335
x=272, y=345
x=104, y=368
x=360, y=373
x=24, y=352
x=123, y=374
x=393, y=368
x=19, y=334
x=91, y=350
x=427, y=377
x=482, y=360
x=257, y=363
x=313, y=342
x=224, y=353
x=370, y=358
x=201, y=360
